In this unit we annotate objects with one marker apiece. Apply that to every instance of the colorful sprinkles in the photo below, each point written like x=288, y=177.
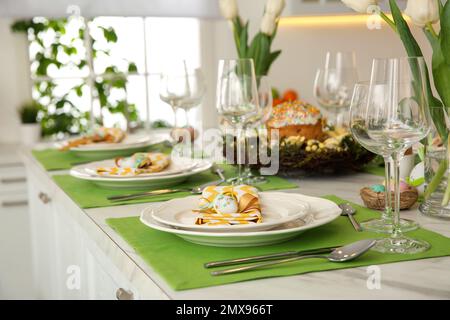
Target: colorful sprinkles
x=294, y=113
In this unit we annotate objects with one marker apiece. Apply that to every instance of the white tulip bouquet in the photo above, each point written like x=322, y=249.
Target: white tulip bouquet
x=259, y=48
x=423, y=14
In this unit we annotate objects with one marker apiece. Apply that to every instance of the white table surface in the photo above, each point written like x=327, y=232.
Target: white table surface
x=419, y=279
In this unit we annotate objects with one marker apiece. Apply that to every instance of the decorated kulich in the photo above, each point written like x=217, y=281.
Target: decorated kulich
x=296, y=118
x=138, y=163
x=100, y=134
x=229, y=205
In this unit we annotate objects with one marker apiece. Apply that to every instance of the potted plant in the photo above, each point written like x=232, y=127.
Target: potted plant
x=258, y=48
x=30, y=127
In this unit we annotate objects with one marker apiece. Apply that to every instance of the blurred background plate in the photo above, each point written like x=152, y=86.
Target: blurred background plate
x=144, y=182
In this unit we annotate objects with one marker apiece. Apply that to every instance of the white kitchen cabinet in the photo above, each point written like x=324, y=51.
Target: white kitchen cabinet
x=15, y=251
x=43, y=237
x=105, y=281
x=67, y=263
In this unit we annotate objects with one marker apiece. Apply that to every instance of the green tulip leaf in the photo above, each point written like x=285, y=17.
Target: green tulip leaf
x=411, y=45
x=413, y=50
x=273, y=56
x=445, y=33
x=243, y=38
x=259, y=49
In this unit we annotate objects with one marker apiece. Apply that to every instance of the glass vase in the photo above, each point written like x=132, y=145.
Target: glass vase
x=436, y=201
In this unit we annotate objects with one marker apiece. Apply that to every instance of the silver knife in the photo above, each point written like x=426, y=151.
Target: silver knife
x=194, y=190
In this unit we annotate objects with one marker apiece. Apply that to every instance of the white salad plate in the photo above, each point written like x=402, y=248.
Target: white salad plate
x=141, y=182
x=275, y=210
x=131, y=144
x=177, y=165
x=321, y=212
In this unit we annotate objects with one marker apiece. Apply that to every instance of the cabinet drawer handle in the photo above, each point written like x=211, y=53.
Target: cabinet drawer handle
x=19, y=203
x=44, y=197
x=122, y=294
x=13, y=180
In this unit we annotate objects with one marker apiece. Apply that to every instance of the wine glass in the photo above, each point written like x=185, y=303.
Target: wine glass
x=174, y=86
x=358, y=127
x=196, y=90
x=237, y=100
x=265, y=99
x=334, y=83
x=399, y=121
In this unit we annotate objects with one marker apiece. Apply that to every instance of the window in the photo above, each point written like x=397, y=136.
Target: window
x=130, y=49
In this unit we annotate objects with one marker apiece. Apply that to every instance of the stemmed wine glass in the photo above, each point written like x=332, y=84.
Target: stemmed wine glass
x=334, y=83
x=237, y=101
x=401, y=120
x=196, y=90
x=182, y=88
x=358, y=128
x=265, y=99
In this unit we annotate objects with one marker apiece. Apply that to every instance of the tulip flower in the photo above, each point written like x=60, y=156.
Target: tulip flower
x=360, y=6
x=275, y=7
x=268, y=24
x=423, y=12
x=229, y=9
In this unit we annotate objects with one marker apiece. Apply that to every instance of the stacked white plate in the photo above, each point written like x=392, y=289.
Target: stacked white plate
x=285, y=216
x=179, y=170
x=129, y=145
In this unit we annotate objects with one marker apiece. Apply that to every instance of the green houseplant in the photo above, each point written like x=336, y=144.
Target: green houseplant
x=30, y=128
x=62, y=115
x=424, y=14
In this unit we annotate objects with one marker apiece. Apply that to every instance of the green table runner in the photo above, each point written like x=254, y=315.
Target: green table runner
x=180, y=263
x=52, y=159
x=88, y=195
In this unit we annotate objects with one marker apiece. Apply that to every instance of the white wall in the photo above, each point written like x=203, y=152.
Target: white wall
x=304, y=48
x=14, y=80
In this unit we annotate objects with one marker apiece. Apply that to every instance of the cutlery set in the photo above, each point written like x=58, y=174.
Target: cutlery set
x=341, y=254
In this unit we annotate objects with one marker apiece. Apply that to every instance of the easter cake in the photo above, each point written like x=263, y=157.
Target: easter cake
x=296, y=118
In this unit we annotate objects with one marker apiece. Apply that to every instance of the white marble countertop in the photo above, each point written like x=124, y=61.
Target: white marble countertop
x=420, y=279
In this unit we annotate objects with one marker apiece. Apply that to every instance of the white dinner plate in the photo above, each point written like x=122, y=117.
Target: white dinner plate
x=275, y=210
x=141, y=182
x=321, y=212
x=131, y=144
x=177, y=165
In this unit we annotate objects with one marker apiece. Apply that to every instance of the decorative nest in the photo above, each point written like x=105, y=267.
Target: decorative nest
x=333, y=153
x=376, y=200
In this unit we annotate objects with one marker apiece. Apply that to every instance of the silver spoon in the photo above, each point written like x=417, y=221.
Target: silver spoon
x=348, y=210
x=342, y=254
